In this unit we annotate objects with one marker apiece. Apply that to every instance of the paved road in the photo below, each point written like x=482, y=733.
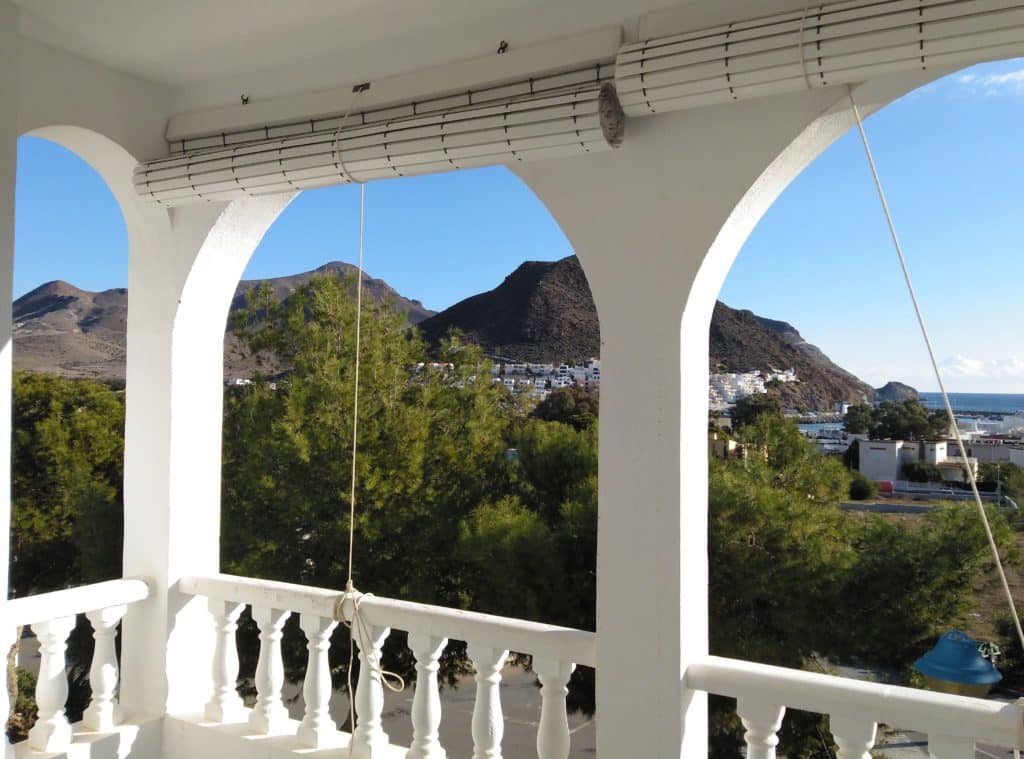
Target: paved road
x=882, y=507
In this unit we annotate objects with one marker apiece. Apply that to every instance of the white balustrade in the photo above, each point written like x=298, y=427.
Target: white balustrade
x=553, y=731
x=426, y=703
x=762, y=720
x=854, y=734
x=554, y=650
x=100, y=715
x=488, y=721
x=52, y=732
x=369, y=738
x=953, y=723
x=269, y=714
x=317, y=728
x=225, y=704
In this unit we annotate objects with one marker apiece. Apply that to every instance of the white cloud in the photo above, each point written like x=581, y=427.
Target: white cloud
x=1005, y=83
x=1004, y=373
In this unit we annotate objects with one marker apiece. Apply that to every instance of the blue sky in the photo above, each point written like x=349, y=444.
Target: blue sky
x=950, y=155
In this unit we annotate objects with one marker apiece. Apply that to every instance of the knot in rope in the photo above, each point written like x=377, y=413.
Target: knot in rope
x=359, y=632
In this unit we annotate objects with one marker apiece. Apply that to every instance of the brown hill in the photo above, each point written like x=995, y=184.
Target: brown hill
x=542, y=312
x=741, y=341
x=61, y=329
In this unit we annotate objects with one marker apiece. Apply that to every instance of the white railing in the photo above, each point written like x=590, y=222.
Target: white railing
x=52, y=618
x=855, y=708
x=555, y=651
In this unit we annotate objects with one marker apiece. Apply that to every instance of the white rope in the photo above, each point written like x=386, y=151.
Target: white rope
x=938, y=375
x=356, y=624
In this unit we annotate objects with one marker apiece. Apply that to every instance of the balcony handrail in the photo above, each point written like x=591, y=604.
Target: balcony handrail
x=63, y=603
x=928, y=712
x=522, y=636
x=518, y=635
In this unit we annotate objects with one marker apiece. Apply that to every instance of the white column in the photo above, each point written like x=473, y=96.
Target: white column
x=317, y=729
x=553, y=730
x=488, y=719
x=9, y=45
x=8, y=634
x=101, y=715
x=762, y=720
x=225, y=705
x=269, y=714
x=426, y=703
x=52, y=732
x=656, y=225
x=368, y=737
x=854, y=734
x=183, y=268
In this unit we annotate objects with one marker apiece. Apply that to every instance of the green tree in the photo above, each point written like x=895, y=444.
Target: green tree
x=572, y=405
x=431, y=448
x=67, y=471
x=749, y=408
x=921, y=471
x=1008, y=477
x=861, y=488
x=896, y=420
x=858, y=419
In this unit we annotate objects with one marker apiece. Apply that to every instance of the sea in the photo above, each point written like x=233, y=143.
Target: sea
x=989, y=403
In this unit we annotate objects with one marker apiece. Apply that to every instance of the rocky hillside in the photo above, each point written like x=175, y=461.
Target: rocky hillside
x=61, y=329
x=542, y=312
x=742, y=341
x=896, y=391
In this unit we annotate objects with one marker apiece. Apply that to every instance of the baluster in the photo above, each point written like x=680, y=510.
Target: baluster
x=950, y=747
x=225, y=704
x=762, y=719
x=8, y=636
x=52, y=732
x=101, y=716
x=426, y=703
x=854, y=734
x=369, y=737
x=553, y=731
x=317, y=729
x=269, y=715
x=488, y=721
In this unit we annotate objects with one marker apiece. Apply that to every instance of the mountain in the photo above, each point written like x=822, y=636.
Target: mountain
x=896, y=391
x=61, y=329
x=742, y=341
x=376, y=289
x=543, y=312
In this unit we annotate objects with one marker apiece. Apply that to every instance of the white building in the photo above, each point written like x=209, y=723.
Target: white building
x=881, y=460
x=206, y=119
x=733, y=387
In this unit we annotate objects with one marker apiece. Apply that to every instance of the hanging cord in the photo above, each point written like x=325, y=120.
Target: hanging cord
x=938, y=375
x=356, y=624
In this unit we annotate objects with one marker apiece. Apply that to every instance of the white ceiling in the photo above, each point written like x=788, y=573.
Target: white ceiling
x=211, y=51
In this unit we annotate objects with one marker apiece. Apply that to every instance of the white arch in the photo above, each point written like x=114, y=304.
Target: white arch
x=657, y=225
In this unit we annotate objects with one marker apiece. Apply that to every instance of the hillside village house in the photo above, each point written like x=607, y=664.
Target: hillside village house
x=881, y=460
x=656, y=136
